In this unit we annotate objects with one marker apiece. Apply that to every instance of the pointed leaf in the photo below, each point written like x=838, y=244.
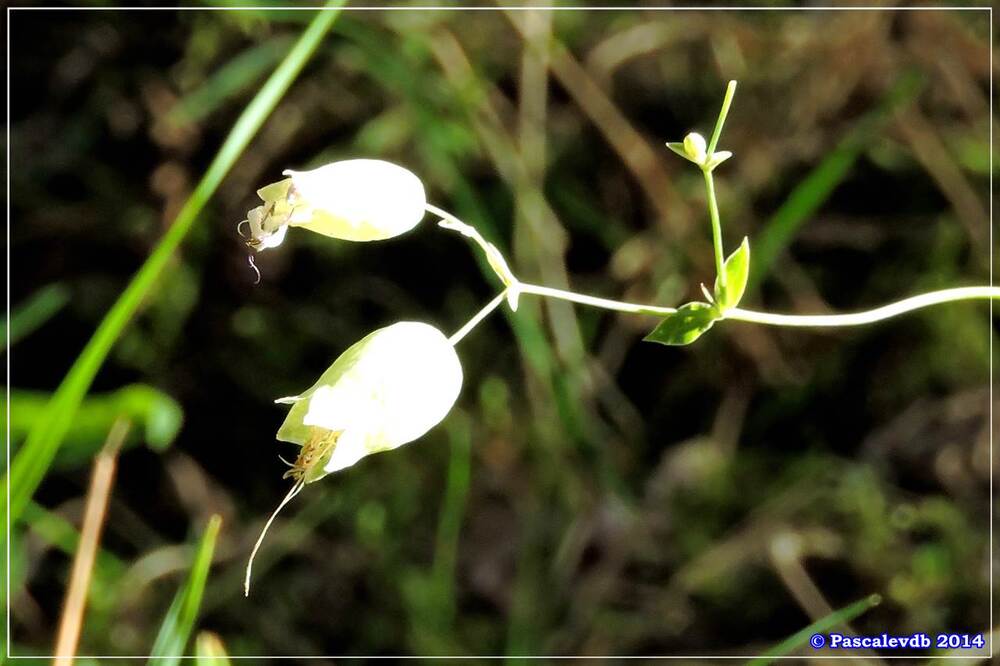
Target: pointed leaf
x=718, y=158
x=684, y=326
x=678, y=148
x=737, y=270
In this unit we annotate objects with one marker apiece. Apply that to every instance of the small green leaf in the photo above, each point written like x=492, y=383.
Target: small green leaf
x=684, y=326
x=737, y=270
x=718, y=158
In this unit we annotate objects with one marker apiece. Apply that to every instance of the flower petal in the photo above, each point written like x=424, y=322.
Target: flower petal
x=357, y=200
x=391, y=387
x=350, y=448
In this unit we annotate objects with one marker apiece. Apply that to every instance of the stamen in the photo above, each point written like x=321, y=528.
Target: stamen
x=288, y=498
x=254, y=267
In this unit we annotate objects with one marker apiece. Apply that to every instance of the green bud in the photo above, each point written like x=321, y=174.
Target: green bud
x=694, y=147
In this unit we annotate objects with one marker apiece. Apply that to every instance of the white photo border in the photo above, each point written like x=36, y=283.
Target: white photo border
x=989, y=9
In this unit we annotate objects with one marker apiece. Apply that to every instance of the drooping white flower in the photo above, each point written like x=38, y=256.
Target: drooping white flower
x=385, y=391
x=356, y=200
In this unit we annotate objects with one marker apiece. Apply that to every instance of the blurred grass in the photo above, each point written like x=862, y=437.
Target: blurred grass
x=823, y=625
x=57, y=531
x=41, y=306
x=230, y=80
x=62, y=534
x=210, y=650
x=158, y=418
x=183, y=612
x=33, y=460
x=432, y=595
x=808, y=196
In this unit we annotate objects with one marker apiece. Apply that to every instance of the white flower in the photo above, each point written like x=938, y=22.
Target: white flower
x=694, y=149
x=385, y=391
x=356, y=200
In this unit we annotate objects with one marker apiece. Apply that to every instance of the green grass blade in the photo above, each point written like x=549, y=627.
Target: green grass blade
x=816, y=188
x=451, y=516
x=232, y=78
x=59, y=532
x=33, y=461
x=837, y=617
x=32, y=315
x=179, y=622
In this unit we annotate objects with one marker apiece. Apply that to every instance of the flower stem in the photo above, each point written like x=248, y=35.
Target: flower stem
x=605, y=303
x=476, y=318
x=868, y=316
x=726, y=102
x=713, y=211
x=713, y=205
x=493, y=256
x=514, y=286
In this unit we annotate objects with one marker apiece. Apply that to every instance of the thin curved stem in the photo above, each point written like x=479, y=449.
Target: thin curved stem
x=605, y=303
x=713, y=206
x=476, y=318
x=493, y=255
x=514, y=286
x=868, y=316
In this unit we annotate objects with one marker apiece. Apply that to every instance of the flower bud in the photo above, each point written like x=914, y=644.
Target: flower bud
x=385, y=391
x=356, y=200
x=694, y=147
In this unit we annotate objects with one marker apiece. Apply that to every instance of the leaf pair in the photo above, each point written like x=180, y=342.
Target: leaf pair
x=693, y=319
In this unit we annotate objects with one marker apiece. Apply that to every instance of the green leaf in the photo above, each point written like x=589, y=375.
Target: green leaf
x=684, y=326
x=159, y=416
x=678, y=147
x=737, y=271
x=177, y=625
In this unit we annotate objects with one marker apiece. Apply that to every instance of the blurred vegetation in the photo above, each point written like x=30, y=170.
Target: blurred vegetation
x=590, y=494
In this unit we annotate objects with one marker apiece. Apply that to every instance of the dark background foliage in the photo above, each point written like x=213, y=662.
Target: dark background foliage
x=590, y=493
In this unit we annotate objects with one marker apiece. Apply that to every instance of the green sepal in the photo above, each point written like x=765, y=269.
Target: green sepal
x=684, y=326
x=737, y=269
x=678, y=147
